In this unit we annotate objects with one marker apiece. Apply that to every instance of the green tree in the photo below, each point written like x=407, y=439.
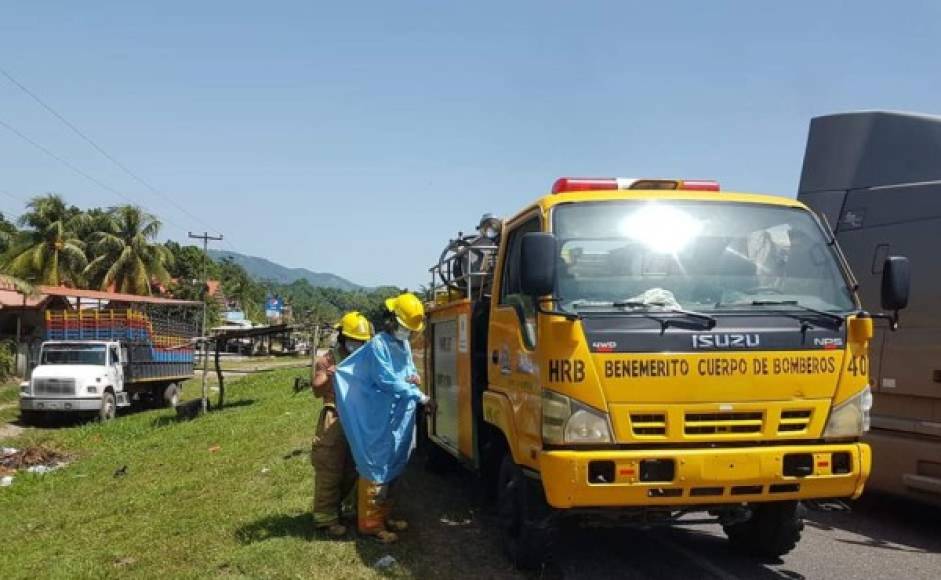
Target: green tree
x=48, y=251
x=8, y=233
x=238, y=285
x=125, y=255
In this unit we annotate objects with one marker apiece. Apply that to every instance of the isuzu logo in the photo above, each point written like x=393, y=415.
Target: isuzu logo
x=726, y=340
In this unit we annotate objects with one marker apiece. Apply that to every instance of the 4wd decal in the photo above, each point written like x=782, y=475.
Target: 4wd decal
x=604, y=346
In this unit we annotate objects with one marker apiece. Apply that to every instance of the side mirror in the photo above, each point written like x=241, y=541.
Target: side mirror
x=896, y=283
x=538, y=254
x=896, y=286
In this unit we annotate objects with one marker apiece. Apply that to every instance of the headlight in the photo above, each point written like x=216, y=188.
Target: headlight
x=851, y=417
x=565, y=421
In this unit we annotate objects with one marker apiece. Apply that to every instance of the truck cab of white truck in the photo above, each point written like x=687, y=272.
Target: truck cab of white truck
x=77, y=376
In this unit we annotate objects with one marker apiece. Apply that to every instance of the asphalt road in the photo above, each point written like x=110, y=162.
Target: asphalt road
x=881, y=538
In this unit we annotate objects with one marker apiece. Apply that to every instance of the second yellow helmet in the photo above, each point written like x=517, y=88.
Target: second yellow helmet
x=356, y=326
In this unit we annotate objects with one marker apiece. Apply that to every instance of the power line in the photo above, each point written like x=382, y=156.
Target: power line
x=12, y=196
x=91, y=178
x=100, y=150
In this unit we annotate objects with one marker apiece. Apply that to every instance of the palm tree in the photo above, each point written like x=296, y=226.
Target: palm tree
x=125, y=256
x=7, y=233
x=48, y=251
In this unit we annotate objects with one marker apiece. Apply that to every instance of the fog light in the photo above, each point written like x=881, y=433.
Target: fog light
x=601, y=472
x=798, y=464
x=842, y=463
x=657, y=470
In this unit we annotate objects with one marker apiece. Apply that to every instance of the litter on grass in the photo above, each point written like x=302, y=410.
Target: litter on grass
x=384, y=562
x=38, y=460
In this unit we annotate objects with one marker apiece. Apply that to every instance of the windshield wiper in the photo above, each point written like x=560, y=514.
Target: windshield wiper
x=835, y=321
x=705, y=321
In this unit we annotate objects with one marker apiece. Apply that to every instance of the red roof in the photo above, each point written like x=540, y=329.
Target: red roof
x=110, y=296
x=13, y=299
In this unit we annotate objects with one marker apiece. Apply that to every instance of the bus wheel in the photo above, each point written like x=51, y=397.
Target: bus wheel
x=773, y=530
x=524, y=517
x=109, y=408
x=171, y=395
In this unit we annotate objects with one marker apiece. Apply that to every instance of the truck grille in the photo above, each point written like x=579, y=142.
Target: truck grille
x=721, y=423
x=794, y=421
x=54, y=386
x=648, y=424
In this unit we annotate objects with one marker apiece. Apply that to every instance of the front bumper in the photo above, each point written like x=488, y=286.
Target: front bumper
x=702, y=476
x=59, y=404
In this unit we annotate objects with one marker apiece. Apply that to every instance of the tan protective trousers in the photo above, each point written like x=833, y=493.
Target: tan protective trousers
x=335, y=472
x=373, y=506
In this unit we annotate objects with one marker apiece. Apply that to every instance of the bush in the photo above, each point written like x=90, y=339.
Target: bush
x=7, y=359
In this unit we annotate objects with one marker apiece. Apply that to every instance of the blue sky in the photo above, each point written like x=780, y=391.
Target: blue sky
x=356, y=137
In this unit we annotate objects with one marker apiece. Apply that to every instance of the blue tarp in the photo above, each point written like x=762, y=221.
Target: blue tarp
x=377, y=406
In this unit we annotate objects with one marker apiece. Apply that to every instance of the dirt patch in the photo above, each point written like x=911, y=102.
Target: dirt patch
x=9, y=430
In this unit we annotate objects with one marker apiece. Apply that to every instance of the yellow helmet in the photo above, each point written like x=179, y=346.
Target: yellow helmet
x=408, y=310
x=354, y=325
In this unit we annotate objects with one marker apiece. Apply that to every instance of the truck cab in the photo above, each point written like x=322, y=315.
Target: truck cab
x=97, y=361
x=641, y=350
x=82, y=375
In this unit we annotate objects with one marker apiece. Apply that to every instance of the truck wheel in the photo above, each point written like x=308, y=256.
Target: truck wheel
x=773, y=530
x=109, y=407
x=171, y=395
x=524, y=517
x=33, y=418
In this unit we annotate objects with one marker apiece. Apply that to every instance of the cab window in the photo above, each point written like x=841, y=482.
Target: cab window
x=113, y=356
x=510, y=292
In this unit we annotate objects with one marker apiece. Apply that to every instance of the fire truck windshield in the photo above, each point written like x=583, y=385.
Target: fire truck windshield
x=696, y=255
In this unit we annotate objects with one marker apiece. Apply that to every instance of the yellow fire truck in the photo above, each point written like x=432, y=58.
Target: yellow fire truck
x=637, y=351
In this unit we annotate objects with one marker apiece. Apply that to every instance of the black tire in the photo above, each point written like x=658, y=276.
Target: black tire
x=33, y=417
x=437, y=460
x=492, y=450
x=171, y=396
x=109, y=407
x=526, y=526
x=773, y=530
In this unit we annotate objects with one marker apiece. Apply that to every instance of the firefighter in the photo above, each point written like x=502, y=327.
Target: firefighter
x=377, y=394
x=335, y=472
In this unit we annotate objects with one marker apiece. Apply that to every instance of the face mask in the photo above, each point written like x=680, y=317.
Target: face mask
x=352, y=345
x=402, y=333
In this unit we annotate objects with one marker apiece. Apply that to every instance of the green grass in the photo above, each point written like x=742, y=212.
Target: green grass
x=9, y=392
x=9, y=401
x=182, y=511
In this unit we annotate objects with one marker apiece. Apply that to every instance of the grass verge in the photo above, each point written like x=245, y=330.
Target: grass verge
x=226, y=495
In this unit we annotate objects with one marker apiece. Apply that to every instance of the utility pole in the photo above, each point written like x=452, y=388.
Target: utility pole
x=205, y=237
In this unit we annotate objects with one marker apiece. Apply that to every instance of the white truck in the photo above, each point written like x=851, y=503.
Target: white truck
x=99, y=361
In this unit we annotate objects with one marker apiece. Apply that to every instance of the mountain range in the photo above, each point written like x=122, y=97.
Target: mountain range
x=264, y=269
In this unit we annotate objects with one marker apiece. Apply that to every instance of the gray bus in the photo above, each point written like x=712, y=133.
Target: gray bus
x=876, y=178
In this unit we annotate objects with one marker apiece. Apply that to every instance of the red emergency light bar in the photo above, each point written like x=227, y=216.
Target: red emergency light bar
x=566, y=184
